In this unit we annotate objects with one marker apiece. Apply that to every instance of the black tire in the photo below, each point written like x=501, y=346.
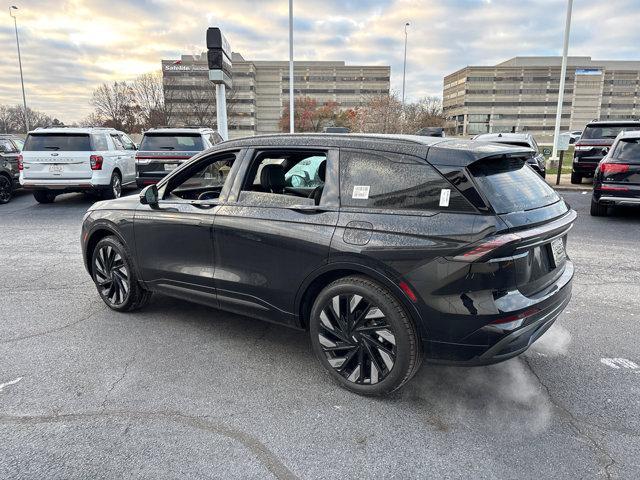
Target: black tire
x=597, y=209
x=44, y=196
x=114, y=190
x=576, y=178
x=375, y=332
x=115, y=277
x=6, y=189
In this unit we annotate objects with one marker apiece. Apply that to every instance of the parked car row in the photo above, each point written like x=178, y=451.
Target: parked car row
x=97, y=160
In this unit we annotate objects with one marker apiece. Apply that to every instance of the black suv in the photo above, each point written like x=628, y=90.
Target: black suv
x=10, y=148
x=393, y=249
x=594, y=144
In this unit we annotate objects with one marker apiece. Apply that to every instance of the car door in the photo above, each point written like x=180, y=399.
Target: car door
x=128, y=158
x=9, y=157
x=268, y=240
x=174, y=239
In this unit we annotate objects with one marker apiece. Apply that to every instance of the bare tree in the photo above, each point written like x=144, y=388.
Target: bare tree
x=149, y=93
x=381, y=114
x=5, y=119
x=116, y=105
x=426, y=112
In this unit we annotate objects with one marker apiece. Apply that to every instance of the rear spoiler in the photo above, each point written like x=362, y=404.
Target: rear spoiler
x=462, y=153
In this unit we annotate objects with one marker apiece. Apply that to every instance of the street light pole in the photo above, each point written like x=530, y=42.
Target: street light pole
x=563, y=74
x=404, y=68
x=291, y=100
x=24, y=98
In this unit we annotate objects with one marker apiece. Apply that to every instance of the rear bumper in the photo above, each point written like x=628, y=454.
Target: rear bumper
x=62, y=185
x=585, y=168
x=609, y=200
x=143, y=181
x=491, y=344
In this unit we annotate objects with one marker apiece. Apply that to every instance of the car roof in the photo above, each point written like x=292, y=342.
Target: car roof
x=441, y=150
x=630, y=134
x=180, y=130
x=496, y=137
x=54, y=130
x=631, y=121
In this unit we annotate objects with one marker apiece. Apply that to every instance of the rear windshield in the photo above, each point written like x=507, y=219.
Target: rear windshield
x=607, y=131
x=67, y=142
x=628, y=150
x=178, y=143
x=510, y=185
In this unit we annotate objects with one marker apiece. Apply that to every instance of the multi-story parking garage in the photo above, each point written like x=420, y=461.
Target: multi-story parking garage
x=521, y=95
x=261, y=88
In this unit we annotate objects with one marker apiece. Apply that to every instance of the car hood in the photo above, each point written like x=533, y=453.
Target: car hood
x=129, y=202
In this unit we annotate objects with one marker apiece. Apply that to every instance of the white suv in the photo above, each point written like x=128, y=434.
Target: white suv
x=59, y=160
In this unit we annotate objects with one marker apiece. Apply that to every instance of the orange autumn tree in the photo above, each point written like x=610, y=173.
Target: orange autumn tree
x=311, y=117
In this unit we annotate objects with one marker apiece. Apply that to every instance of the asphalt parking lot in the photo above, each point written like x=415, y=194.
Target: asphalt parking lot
x=179, y=390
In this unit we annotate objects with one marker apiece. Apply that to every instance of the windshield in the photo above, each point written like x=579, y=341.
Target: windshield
x=67, y=142
x=628, y=150
x=607, y=131
x=511, y=186
x=172, y=142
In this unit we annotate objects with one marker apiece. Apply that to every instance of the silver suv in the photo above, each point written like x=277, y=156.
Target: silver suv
x=59, y=160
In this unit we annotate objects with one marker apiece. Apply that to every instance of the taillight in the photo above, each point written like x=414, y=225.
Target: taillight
x=581, y=148
x=96, y=162
x=487, y=246
x=20, y=164
x=613, y=168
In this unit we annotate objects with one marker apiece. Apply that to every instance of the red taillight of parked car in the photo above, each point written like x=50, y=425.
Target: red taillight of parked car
x=96, y=162
x=20, y=164
x=613, y=168
x=484, y=248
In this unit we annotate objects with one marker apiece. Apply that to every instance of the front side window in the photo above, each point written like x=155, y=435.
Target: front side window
x=19, y=143
x=395, y=182
x=127, y=142
x=203, y=180
x=116, y=141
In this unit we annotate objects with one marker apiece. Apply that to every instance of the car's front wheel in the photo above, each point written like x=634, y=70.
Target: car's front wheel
x=115, y=278
x=362, y=335
x=6, y=189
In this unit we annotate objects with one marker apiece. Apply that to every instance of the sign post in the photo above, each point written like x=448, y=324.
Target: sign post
x=219, y=60
x=563, y=146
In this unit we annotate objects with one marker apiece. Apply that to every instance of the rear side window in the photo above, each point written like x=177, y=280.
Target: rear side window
x=510, y=185
x=66, y=142
x=628, y=150
x=607, y=131
x=397, y=182
x=100, y=142
x=178, y=143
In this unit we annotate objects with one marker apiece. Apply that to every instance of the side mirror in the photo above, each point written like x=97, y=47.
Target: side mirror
x=149, y=195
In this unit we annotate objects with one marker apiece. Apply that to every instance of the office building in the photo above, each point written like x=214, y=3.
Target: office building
x=521, y=95
x=261, y=90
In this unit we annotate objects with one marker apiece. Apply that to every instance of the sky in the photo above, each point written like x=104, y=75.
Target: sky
x=69, y=47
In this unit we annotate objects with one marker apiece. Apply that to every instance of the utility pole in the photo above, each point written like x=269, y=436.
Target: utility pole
x=404, y=68
x=291, y=99
x=563, y=74
x=24, y=97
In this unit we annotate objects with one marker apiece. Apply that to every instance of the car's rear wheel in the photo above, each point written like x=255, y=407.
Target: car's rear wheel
x=576, y=178
x=598, y=209
x=44, y=196
x=6, y=189
x=115, y=278
x=114, y=190
x=362, y=335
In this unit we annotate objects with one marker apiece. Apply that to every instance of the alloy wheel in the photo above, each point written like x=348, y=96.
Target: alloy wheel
x=112, y=275
x=5, y=189
x=116, y=186
x=357, y=340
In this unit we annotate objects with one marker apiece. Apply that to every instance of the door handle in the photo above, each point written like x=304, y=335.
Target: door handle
x=308, y=209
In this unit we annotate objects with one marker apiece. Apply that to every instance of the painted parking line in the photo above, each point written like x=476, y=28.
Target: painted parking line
x=618, y=363
x=12, y=382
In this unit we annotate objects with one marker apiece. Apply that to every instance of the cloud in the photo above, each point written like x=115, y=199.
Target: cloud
x=71, y=46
